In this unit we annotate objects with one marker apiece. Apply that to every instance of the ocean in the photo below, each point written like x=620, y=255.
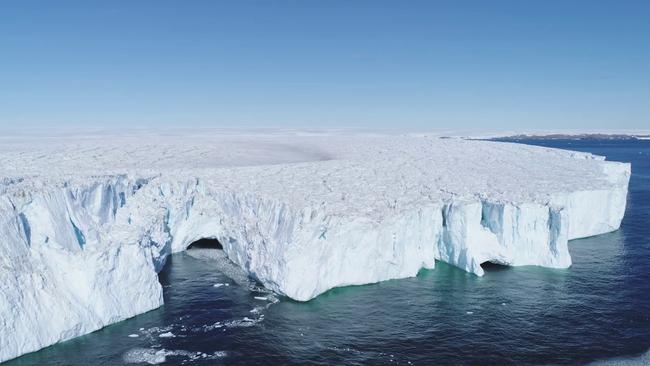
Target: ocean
x=596, y=311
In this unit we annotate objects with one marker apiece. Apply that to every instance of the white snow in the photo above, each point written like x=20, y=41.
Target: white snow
x=86, y=223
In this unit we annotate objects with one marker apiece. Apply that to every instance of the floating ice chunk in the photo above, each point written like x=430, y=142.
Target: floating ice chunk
x=134, y=335
x=167, y=335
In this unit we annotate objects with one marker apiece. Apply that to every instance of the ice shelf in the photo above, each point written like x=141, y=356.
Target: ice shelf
x=87, y=222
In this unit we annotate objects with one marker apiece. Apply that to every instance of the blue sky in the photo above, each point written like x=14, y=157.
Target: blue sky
x=417, y=65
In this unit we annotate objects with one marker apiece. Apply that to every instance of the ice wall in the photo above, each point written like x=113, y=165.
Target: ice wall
x=58, y=279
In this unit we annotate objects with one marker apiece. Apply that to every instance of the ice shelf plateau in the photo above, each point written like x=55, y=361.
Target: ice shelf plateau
x=86, y=222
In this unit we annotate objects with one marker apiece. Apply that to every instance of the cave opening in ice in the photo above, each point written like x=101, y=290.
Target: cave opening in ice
x=206, y=243
x=494, y=267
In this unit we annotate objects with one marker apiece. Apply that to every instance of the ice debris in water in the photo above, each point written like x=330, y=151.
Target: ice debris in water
x=207, y=328
x=154, y=356
x=243, y=323
x=237, y=323
x=257, y=309
x=144, y=355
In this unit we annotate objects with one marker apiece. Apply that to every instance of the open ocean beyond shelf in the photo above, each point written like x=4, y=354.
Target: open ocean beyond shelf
x=597, y=310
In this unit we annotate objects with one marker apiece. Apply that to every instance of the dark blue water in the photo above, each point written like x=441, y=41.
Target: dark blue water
x=597, y=309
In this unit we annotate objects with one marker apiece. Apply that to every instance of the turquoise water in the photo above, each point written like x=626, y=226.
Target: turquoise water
x=597, y=309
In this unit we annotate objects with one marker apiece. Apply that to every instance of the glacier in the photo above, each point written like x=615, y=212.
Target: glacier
x=86, y=222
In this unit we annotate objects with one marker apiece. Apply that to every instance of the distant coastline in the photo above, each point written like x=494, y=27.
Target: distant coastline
x=559, y=136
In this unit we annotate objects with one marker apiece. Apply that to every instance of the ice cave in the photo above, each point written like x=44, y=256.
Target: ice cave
x=206, y=243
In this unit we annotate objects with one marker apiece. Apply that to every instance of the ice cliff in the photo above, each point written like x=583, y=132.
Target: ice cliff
x=85, y=224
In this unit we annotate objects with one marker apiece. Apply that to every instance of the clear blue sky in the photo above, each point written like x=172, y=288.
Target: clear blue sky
x=376, y=64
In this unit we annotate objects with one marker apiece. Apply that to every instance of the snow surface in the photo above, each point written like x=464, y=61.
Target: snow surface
x=87, y=222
